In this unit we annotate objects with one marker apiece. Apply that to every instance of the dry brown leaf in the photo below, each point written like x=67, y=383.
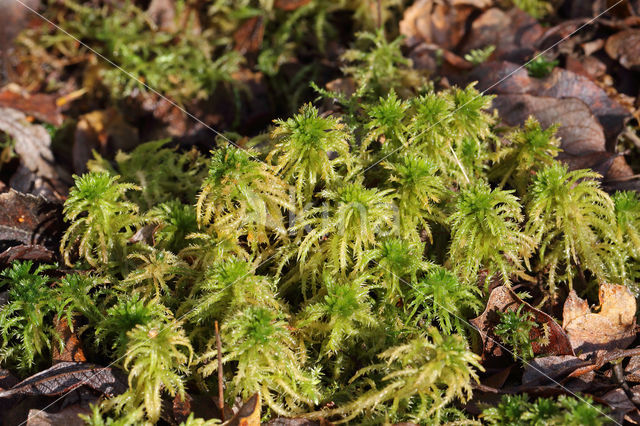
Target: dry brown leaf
x=248, y=414
x=72, y=351
x=611, y=328
x=559, y=84
x=513, y=33
x=624, y=47
x=503, y=299
x=68, y=416
x=248, y=37
x=40, y=105
x=431, y=22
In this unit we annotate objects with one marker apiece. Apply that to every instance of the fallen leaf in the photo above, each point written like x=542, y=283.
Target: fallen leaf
x=33, y=252
x=72, y=351
x=32, y=144
x=492, y=76
x=289, y=5
x=7, y=379
x=624, y=47
x=513, y=33
x=433, y=22
x=181, y=408
x=67, y=376
x=539, y=370
x=503, y=299
x=68, y=416
x=29, y=220
x=40, y=105
x=248, y=37
x=248, y=414
x=611, y=328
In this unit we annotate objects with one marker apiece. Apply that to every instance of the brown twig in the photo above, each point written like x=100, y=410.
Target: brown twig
x=220, y=390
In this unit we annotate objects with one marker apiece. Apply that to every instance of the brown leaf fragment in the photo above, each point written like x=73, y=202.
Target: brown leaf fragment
x=248, y=414
x=29, y=220
x=68, y=416
x=433, y=22
x=611, y=328
x=72, y=346
x=34, y=252
x=503, y=299
x=181, y=408
x=289, y=5
x=540, y=370
x=248, y=38
x=513, y=33
x=632, y=370
x=67, y=376
x=7, y=379
x=559, y=84
x=40, y=105
x=624, y=47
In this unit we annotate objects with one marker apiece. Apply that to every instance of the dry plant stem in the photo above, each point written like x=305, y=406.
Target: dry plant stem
x=220, y=390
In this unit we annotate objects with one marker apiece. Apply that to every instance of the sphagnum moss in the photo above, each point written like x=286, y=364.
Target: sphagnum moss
x=325, y=271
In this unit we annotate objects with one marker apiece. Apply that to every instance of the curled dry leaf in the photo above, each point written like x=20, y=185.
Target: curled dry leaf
x=624, y=47
x=614, y=327
x=67, y=376
x=434, y=22
x=503, y=299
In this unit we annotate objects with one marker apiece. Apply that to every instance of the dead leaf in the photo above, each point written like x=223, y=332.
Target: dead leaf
x=32, y=144
x=248, y=37
x=67, y=376
x=551, y=370
x=513, y=33
x=612, y=328
x=503, y=299
x=559, y=84
x=72, y=346
x=7, y=379
x=289, y=5
x=30, y=220
x=68, y=416
x=248, y=414
x=34, y=252
x=40, y=105
x=624, y=47
x=432, y=22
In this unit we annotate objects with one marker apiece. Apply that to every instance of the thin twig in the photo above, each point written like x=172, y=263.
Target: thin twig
x=220, y=390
